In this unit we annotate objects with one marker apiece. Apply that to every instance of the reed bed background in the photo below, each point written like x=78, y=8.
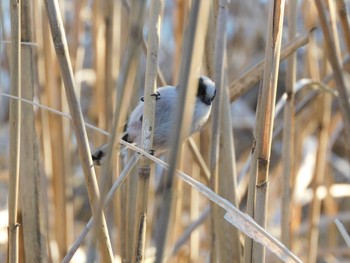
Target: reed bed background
x=275, y=152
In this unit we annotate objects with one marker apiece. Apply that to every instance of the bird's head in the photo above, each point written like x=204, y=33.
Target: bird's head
x=206, y=90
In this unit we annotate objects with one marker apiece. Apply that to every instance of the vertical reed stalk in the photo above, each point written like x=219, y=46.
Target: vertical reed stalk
x=111, y=64
x=113, y=53
x=288, y=132
x=323, y=119
x=180, y=15
x=61, y=48
x=229, y=242
x=55, y=160
x=148, y=120
x=99, y=49
x=335, y=61
x=261, y=151
x=323, y=116
x=124, y=92
x=31, y=181
x=125, y=82
x=15, y=130
x=223, y=172
x=191, y=58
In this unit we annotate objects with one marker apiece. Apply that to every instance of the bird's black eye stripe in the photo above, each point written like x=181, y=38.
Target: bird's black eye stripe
x=202, y=88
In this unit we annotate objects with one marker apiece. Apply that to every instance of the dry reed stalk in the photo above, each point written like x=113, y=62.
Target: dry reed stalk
x=230, y=237
x=180, y=15
x=44, y=120
x=31, y=181
x=311, y=65
x=191, y=57
x=323, y=119
x=99, y=49
x=331, y=205
x=127, y=199
x=324, y=114
x=120, y=180
x=125, y=79
x=249, y=78
x=212, y=49
x=112, y=66
x=56, y=157
x=148, y=121
x=343, y=16
x=128, y=209
x=288, y=132
x=257, y=192
x=61, y=48
x=178, y=206
x=15, y=131
x=209, y=66
x=195, y=212
x=237, y=218
x=335, y=61
x=222, y=162
x=76, y=32
x=112, y=63
x=124, y=94
x=199, y=159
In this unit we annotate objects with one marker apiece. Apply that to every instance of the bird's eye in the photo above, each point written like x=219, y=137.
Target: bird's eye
x=141, y=118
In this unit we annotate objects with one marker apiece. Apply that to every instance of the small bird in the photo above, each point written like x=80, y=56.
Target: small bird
x=166, y=103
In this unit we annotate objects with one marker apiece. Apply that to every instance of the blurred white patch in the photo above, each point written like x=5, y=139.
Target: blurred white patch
x=3, y=226
x=306, y=171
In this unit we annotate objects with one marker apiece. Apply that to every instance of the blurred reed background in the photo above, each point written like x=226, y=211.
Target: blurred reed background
x=277, y=145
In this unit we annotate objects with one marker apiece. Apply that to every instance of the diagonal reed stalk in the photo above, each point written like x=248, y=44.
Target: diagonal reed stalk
x=335, y=61
x=15, y=130
x=60, y=43
x=259, y=169
x=288, y=132
x=192, y=53
x=249, y=78
x=148, y=120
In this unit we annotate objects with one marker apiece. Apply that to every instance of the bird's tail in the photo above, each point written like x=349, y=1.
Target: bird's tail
x=99, y=155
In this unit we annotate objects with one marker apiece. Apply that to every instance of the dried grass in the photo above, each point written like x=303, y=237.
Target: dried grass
x=109, y=67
